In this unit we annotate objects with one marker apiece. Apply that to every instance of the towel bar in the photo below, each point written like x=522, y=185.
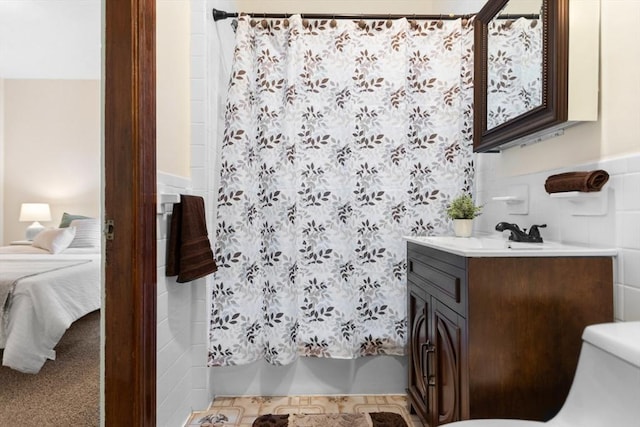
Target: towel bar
x=165, y=202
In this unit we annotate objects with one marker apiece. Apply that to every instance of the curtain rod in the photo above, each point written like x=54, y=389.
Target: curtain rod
x=221, y=15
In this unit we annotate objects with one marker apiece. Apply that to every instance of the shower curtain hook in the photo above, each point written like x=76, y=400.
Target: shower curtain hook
x=333, y=23
x=413, y=22
x=389, y=22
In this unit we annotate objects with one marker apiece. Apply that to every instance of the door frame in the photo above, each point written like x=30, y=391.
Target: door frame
x=129, y=177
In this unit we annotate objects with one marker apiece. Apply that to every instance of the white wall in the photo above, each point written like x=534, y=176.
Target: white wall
x=51, y=149
x=173, y=103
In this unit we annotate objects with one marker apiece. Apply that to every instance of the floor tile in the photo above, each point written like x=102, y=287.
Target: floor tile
x=241, y=411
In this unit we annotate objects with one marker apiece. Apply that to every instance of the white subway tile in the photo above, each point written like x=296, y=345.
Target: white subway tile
x=163, y=334
x=180, y=397
x=631, y=304
x=198, y=134
x=618, y=301
x=162, y=309
x=199, y=290
x=161, y=282
x=198, y=45
x=631, y=265
x=198, y=67
x=633, y=163
x=199, y=177
x=199, y=355
x=613, y=167
x=170, y=381
x=198, y=111
x=631, y=192
x=198, y=310
x=168, y=356
x=200, y=399
x=616, y=192
x=602, y=230
x=199, y=333
x=198, y=159
x=199, y=377
x=628, y=230
x=198, y=23
x=199, y=89
x=161, y=253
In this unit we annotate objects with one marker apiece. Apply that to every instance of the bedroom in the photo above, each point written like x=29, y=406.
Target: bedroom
x=177, y=328
x=50, y=139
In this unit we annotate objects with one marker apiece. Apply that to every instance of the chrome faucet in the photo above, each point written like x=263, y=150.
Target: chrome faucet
x=518, y=235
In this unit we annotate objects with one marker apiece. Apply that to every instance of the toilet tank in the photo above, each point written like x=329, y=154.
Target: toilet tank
x=621, y=339
x=606, y=385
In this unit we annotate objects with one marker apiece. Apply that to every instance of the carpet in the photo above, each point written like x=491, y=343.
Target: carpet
x=66, y=391
x=373, y=419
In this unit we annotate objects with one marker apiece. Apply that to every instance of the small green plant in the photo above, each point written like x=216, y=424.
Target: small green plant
x=462, y=207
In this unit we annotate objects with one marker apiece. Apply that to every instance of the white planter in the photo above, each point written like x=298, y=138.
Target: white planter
x=462, y=227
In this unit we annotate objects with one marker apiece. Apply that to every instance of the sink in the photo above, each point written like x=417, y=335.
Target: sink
x=467, y=242
x=496, y=246
x=484, y=243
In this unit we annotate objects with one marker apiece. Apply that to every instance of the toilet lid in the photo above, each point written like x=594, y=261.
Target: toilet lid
x=621, y=339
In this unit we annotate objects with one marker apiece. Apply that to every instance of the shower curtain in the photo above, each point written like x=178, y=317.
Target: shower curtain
x=340, y=138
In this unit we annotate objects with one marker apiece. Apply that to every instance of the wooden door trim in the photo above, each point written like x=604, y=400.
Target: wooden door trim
x=130, y=196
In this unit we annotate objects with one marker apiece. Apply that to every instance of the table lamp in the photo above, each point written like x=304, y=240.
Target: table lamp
x=34, y=212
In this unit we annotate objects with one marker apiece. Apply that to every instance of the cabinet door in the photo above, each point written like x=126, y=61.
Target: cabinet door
x=447, y=337
x=419, y=346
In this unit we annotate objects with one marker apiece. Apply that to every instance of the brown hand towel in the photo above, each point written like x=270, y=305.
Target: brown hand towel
x=189, y=254
x=576, y=181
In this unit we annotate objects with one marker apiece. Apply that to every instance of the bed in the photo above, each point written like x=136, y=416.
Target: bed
x=46, y=293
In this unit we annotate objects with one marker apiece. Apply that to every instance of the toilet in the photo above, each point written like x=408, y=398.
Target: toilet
x=606, y=388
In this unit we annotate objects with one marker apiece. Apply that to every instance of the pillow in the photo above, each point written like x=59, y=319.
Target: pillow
x=67, y=218
x=87, y=233
x=54, y=240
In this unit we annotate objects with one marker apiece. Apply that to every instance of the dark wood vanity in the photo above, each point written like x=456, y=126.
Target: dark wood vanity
x=498, y=337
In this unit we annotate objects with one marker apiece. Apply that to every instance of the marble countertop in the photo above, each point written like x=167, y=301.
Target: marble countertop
x=496, y=246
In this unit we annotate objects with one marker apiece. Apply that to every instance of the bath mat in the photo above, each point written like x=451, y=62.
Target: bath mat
x=373, y=419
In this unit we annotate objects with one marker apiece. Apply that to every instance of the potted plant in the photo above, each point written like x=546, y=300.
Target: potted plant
x=462, y=211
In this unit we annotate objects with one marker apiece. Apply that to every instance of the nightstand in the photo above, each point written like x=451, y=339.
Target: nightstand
x=22, y=242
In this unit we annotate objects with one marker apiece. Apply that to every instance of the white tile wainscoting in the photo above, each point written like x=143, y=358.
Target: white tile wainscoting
x=619, y=227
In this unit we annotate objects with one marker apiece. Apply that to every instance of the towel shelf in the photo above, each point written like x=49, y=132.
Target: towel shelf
x=593, y=203
x=517, y=199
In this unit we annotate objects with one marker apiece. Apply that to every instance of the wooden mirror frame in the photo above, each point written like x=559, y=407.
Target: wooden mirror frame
x=555, y=64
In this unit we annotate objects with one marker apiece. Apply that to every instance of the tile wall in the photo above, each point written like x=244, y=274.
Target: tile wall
x=182, y=376
x=174, y=324
x=618, y=226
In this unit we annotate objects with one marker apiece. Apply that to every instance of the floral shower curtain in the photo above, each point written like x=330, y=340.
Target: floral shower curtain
x=340, y=138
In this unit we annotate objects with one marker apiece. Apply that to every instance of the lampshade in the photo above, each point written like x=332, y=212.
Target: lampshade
x=35, y=212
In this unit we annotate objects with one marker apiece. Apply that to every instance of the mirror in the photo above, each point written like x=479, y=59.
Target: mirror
x=521, y=69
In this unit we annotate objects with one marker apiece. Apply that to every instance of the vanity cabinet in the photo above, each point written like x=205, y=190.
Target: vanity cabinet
x=498, y=337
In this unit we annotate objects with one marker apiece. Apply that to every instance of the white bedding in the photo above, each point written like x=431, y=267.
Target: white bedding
x=44, y=305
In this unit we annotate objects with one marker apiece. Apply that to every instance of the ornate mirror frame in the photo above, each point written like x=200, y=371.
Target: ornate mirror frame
x=555, y=64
